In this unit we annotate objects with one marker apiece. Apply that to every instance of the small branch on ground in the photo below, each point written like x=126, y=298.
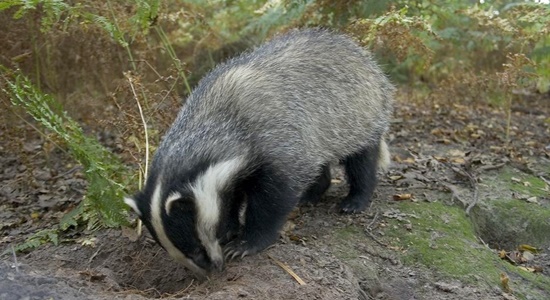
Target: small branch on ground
x=490, y=167
x=288, y=270
x=454, y=193
x=473, y=183
x=368, y=231
x=15, y=262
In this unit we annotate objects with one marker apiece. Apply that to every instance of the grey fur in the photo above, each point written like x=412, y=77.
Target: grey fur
x=302, y=99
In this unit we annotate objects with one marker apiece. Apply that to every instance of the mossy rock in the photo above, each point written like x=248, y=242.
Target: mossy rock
x=442, y=238
x=513, y=209
x=506, y=224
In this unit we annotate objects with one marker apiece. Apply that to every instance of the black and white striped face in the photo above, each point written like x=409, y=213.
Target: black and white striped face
x=185, y=218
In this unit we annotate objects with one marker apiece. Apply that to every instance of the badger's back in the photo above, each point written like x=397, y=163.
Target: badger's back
x=300, y=100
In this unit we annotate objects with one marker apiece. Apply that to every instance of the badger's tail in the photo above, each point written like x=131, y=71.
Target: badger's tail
x=383, y=156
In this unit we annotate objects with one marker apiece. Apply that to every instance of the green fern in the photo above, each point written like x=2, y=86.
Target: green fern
x=36, y=240
x=52, y=9
x=275, y=14
x=146, y=14
x=103, y=203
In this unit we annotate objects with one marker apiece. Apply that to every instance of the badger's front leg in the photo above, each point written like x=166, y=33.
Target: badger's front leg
x=269, y=201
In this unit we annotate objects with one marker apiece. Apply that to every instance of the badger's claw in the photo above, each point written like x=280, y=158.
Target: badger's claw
x=237, y=248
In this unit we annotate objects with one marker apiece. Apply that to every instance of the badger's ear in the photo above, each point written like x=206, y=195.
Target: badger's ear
x=133, y=204
x=172, y=198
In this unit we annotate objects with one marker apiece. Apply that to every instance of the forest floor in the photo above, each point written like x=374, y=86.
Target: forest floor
x=454, y=218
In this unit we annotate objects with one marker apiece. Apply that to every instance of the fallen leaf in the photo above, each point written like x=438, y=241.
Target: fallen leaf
x=458, y=160
x=524, y=247
x=456, y=153
x=532, y=200
x=504, y=280
x=395, y=177
x=409, y=160
x=514, y=257
x=527, y=269
x=400, y=197
x=440, y=158
x=437, y=132
x=502, y=254
x=525, y=198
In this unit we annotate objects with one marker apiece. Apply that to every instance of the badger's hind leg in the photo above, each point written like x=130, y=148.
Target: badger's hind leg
x=361, y=170
x=316, y=190
x=269, y=201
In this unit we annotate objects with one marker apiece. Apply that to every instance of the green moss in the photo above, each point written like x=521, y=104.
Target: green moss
x=507, y=223
x=527, y=285
x=535, y=186
x=534, y=218
x=344, y=236
x=443, y=239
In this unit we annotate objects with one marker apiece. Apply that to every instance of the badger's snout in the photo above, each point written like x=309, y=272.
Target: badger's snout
x=208, y=265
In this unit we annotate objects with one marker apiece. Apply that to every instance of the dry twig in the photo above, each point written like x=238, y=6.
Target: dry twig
x=288, y=270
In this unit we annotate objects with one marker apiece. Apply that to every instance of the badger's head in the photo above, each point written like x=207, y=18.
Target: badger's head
x=183, y=214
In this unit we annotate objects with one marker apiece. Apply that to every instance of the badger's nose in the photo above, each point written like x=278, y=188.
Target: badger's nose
x=217, y=266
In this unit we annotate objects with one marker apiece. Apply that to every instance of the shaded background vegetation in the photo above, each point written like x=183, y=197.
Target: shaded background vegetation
x=86, y=69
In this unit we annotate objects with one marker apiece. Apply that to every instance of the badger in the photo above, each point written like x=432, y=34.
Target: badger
x=256, y=137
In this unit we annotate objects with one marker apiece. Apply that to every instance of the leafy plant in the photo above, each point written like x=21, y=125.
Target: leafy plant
x=53, y=9
x=36, y=240
x=103, y=204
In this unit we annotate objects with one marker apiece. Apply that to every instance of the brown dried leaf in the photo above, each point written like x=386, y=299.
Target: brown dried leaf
x=458, y=160
x=400, y=197
x=409, y=160
x=440, y=158
x=504, y=280
x=525, y=247
x=514, y=257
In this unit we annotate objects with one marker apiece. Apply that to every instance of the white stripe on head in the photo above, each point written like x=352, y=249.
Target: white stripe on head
x=206, y=190
x=170, y=200
x=132, y=203
x=156, y=222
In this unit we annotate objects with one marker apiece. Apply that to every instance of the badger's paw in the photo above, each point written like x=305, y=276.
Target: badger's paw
x=353, y=205
x=239, y=248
